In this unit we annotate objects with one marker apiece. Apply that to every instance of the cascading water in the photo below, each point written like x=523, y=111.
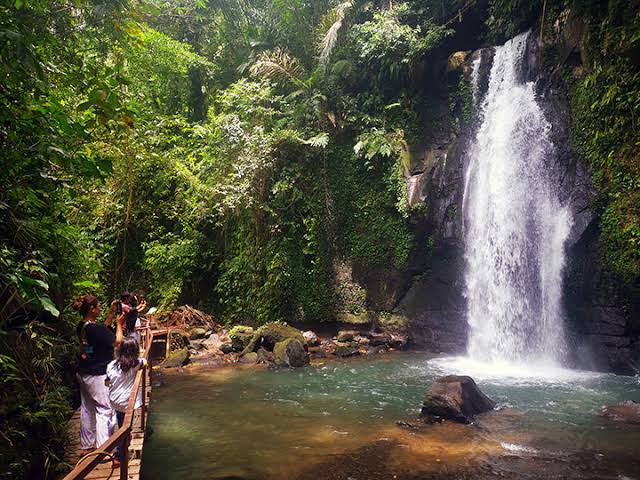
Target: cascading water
x=515, y=225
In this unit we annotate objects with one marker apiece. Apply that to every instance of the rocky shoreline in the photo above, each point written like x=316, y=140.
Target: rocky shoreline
x=275, y=344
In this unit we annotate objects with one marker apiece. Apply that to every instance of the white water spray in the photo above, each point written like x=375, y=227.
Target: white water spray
x=515, y=226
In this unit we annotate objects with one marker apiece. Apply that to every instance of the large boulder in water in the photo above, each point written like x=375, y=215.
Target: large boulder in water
x=625, y=412
x=455, y=398
x=290, y=353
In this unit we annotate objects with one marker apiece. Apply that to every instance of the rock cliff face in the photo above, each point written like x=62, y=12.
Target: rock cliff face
x=600, y=311
x=603, y=315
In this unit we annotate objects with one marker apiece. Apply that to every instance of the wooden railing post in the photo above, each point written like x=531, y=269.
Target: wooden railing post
x=143, y=408
x=124, y=456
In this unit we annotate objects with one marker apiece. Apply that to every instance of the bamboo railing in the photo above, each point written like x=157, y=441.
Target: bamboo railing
x=122, y=436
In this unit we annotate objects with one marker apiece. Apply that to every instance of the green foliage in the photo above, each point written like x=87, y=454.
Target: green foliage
x=223, y=154
x=161, y=71
x=34, y=399
x=461, y=99
x=608, y=138
x=507, y=18
x=389, y=48
x=606, y=131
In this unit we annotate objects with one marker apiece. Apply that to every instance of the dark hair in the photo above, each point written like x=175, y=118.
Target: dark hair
x=125, y=296
x=127, y=354
x=84, y=304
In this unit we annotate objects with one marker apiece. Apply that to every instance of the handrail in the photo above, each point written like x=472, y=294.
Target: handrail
x=123, y=433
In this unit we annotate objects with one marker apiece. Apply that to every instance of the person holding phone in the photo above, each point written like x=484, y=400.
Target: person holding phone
x=96, y=351
x=130, y=306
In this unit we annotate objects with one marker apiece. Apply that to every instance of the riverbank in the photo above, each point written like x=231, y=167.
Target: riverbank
x=277, y=344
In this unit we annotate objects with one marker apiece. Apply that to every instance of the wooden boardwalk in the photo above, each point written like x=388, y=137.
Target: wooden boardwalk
x=100, y=465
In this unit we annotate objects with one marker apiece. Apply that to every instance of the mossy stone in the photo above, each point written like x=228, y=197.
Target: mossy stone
x=197, y=333
x=177, y=358
x=393, y=319
x=353, y=318
x=290, y=353
x=348, y=350
x=271, y=333
x=249, y=358
x=240, y=336
x=346, y=335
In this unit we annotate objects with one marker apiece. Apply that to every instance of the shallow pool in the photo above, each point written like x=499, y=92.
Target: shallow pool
x=338, y=421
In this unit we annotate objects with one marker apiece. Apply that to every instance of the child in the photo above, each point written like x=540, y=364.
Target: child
x=121, y=375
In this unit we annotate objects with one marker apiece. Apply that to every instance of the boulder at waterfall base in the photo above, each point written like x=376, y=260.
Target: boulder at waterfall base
x=455, y=398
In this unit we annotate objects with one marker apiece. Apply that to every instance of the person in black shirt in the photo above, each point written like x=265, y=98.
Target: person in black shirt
x=96, y=351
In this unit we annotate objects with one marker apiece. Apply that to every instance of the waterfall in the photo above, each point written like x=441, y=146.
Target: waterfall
x=515, y=226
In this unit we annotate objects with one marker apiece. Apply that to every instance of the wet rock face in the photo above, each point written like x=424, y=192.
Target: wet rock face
x=599, y=309
x=435, y=304
x=625, y=412
x=603, y=319
x=455, y=398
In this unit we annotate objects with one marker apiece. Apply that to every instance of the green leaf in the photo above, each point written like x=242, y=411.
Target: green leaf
x=87, y=284
x=49, y=306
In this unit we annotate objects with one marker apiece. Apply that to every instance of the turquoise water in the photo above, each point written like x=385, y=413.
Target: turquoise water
x=338, y=420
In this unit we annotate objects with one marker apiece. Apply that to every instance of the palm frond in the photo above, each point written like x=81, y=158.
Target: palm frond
x=278, y=65
x=331, y=25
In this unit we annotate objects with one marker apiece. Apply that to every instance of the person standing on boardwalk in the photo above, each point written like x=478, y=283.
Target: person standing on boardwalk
x=131, y=306
x=96, y=351
x=121, y=375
